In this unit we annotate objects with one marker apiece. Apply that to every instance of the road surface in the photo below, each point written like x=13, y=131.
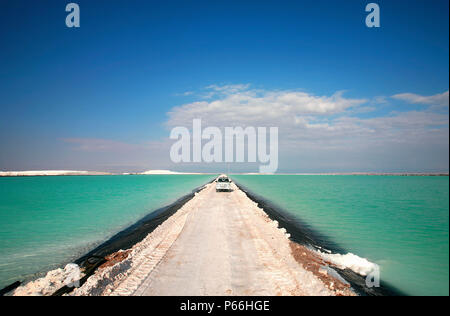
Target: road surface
x=225, y=245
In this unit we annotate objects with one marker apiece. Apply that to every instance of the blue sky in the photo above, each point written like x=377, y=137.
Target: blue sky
x=100, y=97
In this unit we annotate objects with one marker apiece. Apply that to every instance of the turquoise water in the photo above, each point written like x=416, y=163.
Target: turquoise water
x=400, y=223
x=49, y=221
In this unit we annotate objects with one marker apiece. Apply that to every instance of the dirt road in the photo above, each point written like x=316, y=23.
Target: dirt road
x=228, y=246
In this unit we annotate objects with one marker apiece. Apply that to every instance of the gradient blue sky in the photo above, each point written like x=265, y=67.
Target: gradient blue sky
x=104, y=96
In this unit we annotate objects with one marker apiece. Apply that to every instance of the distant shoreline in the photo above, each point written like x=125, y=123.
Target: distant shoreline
x=43, y=173
x=402, y=174
x=54, y=173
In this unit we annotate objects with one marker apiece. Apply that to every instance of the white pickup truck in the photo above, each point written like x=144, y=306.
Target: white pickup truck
x=223, y=183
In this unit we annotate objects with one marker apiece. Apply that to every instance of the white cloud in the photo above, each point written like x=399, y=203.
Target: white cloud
x=329, y=131
x=239, y=105
x=228, y=89
x=316, y=133
x=440, y=99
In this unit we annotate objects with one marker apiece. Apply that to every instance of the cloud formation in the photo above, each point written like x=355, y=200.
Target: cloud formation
x=440, y=99
x=239, y=105
x=317, y=133
x=331, y=133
